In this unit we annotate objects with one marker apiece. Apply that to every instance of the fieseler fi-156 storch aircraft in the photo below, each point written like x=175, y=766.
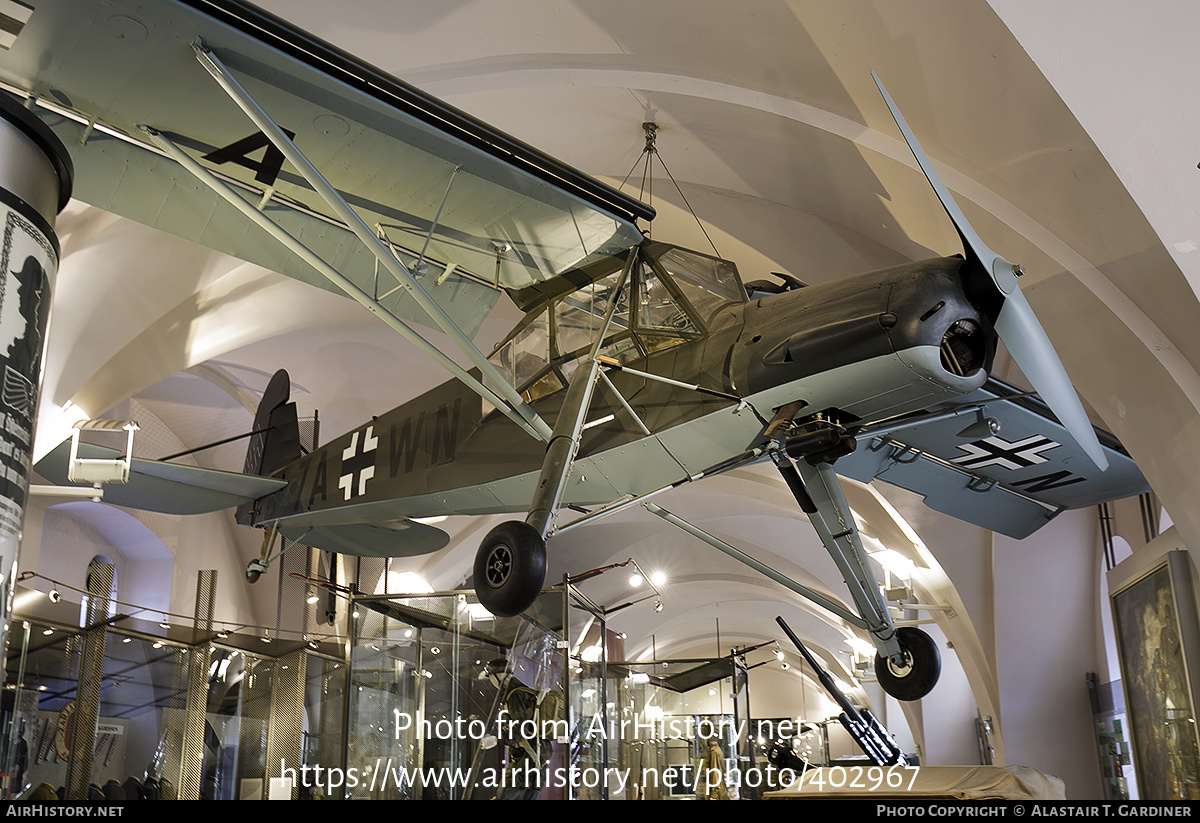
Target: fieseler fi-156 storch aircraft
x=637, y=367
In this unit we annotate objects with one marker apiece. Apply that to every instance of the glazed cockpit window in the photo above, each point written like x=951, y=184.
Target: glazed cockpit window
x=578, y=317
x=524, y=356
x=658, y=308
x=709, y=284
x=672, y=296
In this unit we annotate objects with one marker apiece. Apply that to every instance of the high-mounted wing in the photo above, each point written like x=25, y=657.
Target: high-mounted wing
x=1013, y=480
x=438, y=186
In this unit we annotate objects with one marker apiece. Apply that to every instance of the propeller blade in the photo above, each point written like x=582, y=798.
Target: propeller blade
x=1016, y=323
x=1029, y=346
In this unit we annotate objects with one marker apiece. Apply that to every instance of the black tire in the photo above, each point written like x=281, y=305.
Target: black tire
x=924, y=666
x=510, y=568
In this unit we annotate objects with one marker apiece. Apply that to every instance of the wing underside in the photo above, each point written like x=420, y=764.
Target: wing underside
x=1012, y=481
x=440, y=187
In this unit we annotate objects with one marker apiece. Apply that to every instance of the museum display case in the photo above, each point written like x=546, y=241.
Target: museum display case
x=448, y=701
x=178, y=714
x=680, y=729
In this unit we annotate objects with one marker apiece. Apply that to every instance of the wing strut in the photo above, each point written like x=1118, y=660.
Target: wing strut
x=760, y=567
x=512, y=399
x=337, y=278
x=564, y=444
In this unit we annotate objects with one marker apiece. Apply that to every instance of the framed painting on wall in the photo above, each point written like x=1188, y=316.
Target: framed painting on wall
x=1157, y=637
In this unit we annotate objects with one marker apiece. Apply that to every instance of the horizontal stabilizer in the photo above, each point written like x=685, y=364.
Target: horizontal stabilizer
x=167, y=488
x=398, y=538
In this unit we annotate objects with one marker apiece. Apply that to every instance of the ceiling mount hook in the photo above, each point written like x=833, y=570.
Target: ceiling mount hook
x=651, y=130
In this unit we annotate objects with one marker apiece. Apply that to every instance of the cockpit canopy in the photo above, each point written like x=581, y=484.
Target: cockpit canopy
x=672, y=296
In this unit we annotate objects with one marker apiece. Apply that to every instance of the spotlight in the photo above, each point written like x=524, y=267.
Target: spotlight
x=658, y=605
x=55, y=595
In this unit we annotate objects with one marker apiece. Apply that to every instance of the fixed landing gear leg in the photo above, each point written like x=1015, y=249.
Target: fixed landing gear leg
x=908, y=663
x=510, y=565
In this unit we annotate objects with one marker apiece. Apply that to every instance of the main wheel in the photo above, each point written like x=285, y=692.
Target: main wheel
x=510, y=568
x=920, y=672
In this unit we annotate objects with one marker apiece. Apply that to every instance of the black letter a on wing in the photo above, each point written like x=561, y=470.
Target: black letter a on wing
x=265, y=171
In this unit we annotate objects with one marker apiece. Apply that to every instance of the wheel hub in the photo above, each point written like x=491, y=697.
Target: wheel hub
x=499, y=566
x=900, y=665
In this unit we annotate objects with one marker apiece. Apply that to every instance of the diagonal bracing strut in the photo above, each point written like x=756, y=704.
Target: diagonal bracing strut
x=334, y=276
x=382, y=252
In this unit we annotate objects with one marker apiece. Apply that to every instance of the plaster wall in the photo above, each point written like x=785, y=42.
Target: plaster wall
x=1048, y=637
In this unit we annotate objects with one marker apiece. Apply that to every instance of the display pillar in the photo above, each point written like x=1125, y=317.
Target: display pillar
x=35, y=184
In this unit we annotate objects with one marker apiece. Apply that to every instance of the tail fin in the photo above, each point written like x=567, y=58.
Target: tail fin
x=277, y=439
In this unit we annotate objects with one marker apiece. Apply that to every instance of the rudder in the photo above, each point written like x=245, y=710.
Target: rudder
x=276, y=441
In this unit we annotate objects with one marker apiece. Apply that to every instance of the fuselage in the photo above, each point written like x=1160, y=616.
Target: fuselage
x=868, y=347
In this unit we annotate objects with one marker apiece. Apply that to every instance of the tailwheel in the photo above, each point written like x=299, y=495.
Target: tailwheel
x=916, y=676
x=257, y=567
x=510, y=568
x=254, y=570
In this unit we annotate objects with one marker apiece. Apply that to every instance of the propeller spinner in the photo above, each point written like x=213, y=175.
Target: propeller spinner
x=1016, y=323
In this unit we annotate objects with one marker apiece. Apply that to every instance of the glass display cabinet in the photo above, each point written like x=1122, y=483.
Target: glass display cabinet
x=447, y=701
